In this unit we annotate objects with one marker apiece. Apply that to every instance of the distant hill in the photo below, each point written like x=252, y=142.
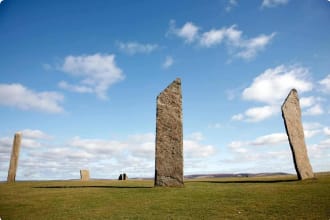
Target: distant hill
x=223, y=175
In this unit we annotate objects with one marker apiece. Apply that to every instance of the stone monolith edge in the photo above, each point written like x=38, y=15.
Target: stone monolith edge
x=291, y=114
x=14, y=158
x=84, y=175
x=169, y=137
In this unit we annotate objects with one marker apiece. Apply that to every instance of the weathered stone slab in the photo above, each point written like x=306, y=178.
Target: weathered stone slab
x=291, y=114
x=123, y=176
x=84, y=175
x=169, y=137
x=14, y=158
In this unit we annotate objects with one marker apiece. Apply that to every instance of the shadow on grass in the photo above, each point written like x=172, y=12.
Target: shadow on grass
x=245, y=181
x=110, y=187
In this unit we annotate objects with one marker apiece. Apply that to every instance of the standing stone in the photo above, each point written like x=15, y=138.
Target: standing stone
x=291, y=114
x=169, y=137
x=84, y=175
x=123, y=176
x=14, y=158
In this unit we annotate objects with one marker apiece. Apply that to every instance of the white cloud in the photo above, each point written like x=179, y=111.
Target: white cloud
x=234, y=36
x=311, y=133
x=168, y=62
x=98, y=73
x=271, y=139
x=312, y=125
x=30, y=143
x=273, y=3
x=105, y=158
x=311, y=129
x=231, y=4
x=212, y=37
x=307, y=101
x=75, y=88
x=326, y=131
x=132, y=48
x=245, y=48
x=193, y=150
x=315, y=110
x=252, y=46
x=34, y=134
x=237, y=146
x=246, y=150
x=237, y=117
x=259, y=113
x=269, y=88
x=16, y=95
x=325, y=83
x=188, y=31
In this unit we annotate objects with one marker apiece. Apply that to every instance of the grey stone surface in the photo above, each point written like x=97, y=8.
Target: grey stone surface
x=14, y=158
x=169, y=137
x=84, y=175
x=291, y=114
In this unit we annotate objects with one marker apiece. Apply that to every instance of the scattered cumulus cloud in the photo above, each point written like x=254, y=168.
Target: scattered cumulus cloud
x=97, y=73
x=232, y=37
x=325, y=83
x=132, y=48
x=269, y=88
x=105, y=158
x=257, y=114
x=312, y=129
x=194, y=149
x=168, y=62
x=271, y=139
x=212, y=37
x=237, y=117
x=188, y=32
x=251, y=47
x=17, y=95
x=230, y=5
x=34, y=134
x=307, y=101
x=315, y=110
x=75, y=88
x=273, y=3
x=326, y=131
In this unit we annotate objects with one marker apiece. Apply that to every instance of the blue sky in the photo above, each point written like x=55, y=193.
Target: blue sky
x=80, y=79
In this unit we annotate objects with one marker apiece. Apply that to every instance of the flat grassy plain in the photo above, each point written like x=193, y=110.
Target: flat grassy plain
x=280, y=197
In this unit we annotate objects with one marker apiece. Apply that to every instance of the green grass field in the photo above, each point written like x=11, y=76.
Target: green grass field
x=280, y=197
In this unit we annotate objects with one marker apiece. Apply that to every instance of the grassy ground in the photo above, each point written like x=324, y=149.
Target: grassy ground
x=224, y=198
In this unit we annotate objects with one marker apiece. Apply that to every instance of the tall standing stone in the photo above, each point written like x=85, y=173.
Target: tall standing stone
x=169, y=137
x=84, y=175
x=14, y=158
x=291, y=114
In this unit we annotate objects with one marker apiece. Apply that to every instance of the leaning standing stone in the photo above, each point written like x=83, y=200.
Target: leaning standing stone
x=169, y=137
x=291, y=114
x=14, y=158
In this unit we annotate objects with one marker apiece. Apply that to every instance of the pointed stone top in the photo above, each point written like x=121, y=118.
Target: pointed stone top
x=293, y=91
x=292, y=94
x=177, y=80
x=175, y=84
